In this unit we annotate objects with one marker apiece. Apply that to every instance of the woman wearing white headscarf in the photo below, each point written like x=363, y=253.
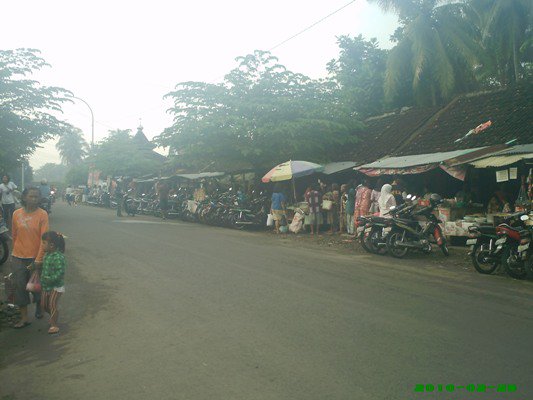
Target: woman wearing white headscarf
x=386, y=200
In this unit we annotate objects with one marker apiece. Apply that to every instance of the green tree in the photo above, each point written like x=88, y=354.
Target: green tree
x=26, y=108
x=77, y=174
x=506, y=27
x=51, y=172
x=437, y=49
x=260, y=115
x=72, y=147
x=120, y=155
x=360, y=73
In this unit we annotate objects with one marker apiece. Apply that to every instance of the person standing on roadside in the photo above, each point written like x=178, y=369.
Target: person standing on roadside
x=163, y=191
x=119, y=198
x=8, y=200
x=277, y=206
x=350, y=208
x=312, y=197
x=29, y=224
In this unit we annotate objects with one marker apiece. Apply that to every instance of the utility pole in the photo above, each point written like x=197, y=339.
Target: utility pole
x=22, y=175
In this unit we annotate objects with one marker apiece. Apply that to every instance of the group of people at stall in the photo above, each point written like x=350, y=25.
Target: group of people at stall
x=338, y=207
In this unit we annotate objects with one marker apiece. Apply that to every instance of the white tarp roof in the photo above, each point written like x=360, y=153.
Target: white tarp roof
x=500, y=160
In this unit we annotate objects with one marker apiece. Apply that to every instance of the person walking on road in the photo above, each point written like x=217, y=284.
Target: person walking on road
x=52, y=276
x=29, y=224
x=8, y=200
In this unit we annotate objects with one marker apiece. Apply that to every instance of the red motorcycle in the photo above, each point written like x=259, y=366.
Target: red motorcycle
x=511, y=243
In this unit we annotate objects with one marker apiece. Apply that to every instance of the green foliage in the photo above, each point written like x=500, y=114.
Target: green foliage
x=437, y=50
x=72, y=147
x=506, y=28
x=77, y=174
x=26, y=107
x=260, y=115
x=360, y=73
x=119, y=154
x=53, y=173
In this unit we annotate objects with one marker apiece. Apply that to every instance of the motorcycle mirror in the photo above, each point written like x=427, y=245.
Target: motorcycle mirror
x=524, y=217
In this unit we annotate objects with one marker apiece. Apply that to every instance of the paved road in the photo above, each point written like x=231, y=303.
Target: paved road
x=169, y=310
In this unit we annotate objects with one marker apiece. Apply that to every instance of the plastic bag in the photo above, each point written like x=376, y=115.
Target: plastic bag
x=34, y=284
x=270, y=220
x=327, y=205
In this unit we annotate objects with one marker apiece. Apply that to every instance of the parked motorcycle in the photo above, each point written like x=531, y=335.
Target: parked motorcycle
x=373, y=231
x=486, y=254
x=408, y=234
x=514, y=244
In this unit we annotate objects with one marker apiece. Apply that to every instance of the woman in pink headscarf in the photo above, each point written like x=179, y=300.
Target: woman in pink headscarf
x=362, y=200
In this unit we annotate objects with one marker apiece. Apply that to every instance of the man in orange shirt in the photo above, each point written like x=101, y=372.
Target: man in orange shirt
x=29, y=224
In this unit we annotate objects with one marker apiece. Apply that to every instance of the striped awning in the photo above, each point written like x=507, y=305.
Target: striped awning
x=500, y=161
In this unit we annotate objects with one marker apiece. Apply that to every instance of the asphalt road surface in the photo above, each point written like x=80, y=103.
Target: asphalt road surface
x=170, y=310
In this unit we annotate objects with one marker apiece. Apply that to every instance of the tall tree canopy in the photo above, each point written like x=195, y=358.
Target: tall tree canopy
x=26, y=108
x=506, y=29
x=360, y=73
x=260, y=114
x=72, y=147
x=438, y=49
x=120, y=155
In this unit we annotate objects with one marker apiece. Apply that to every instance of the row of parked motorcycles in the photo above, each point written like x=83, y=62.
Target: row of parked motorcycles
x=227, y=209
x=405, y=228
x=411, y=228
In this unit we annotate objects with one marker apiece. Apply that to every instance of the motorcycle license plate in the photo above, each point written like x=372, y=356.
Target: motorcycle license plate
x=501, y=241
x=386, y=230
x=471, y=242
x=523, y=247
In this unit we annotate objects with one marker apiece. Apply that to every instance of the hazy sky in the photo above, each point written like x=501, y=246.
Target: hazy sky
x=123, y=56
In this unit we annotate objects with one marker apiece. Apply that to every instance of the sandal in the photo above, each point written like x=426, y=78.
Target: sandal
x=53, y=330
x=20, y=326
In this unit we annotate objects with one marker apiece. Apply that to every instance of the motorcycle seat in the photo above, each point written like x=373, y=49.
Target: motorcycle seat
x=487, y=230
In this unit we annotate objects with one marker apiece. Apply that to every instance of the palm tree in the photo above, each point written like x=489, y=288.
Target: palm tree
x=72, y=147
x=505, y=27
x=437, y=49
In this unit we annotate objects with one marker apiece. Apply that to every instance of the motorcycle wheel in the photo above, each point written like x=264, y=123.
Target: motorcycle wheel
x=4, y=252
x=517, y=272
x=444, y=249
x=373, y=238
x=483, y=267
x=395, y=251
x=364, y=244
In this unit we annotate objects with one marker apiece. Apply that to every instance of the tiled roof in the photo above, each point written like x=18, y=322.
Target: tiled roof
x=383, y=135
x=509, y=110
